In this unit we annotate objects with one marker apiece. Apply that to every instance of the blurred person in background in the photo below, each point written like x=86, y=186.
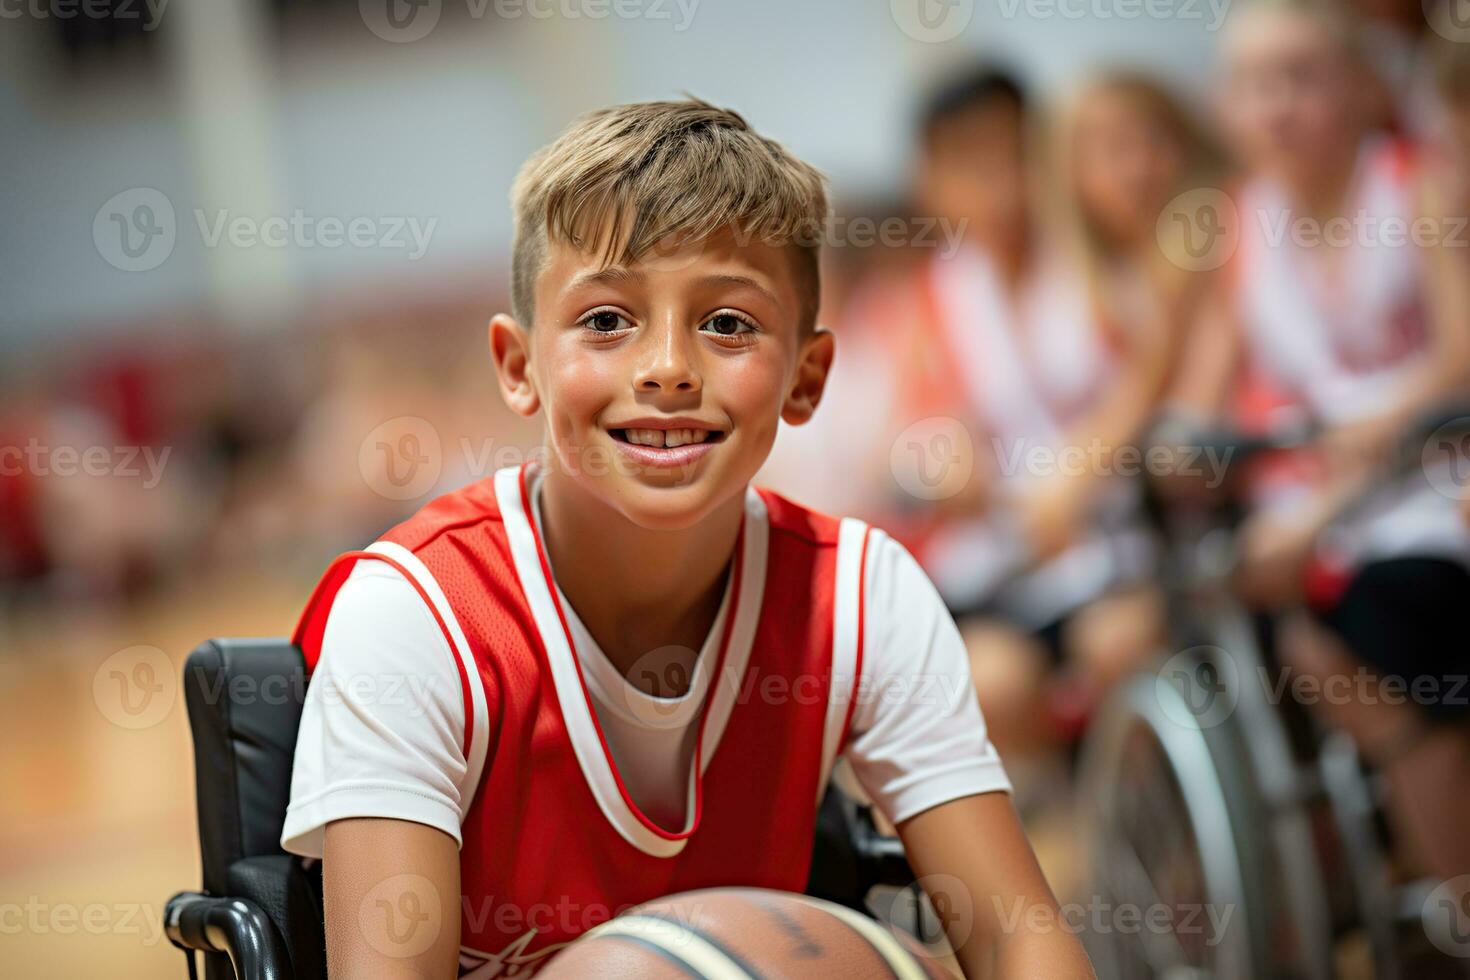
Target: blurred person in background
x=1037, y=333
x=1326, y=314
x=1396, y=91
x=1075, y=357
x=1448, y=153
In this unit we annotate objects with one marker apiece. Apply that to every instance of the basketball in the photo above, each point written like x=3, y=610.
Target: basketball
x=740, y=933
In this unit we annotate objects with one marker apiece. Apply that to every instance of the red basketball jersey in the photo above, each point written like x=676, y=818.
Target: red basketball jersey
x=553, y=843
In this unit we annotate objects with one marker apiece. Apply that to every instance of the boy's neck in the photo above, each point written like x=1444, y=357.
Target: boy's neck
x=637, y=590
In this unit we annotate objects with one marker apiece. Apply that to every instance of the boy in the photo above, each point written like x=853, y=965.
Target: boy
x=571, y=753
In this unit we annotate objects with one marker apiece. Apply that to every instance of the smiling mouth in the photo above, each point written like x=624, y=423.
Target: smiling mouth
x=666, y=438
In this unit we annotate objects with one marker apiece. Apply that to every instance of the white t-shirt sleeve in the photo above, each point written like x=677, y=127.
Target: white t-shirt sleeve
x=384, y=717
x=918, y=738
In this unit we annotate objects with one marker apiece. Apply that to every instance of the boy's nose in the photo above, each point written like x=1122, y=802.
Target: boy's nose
x=669, y=366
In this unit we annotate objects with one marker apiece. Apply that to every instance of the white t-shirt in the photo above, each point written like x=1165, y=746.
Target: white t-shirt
x=370, y=747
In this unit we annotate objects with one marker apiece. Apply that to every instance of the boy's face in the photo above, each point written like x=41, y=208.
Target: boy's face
x=663, y=382
x=972, y=169
x=1289, y=95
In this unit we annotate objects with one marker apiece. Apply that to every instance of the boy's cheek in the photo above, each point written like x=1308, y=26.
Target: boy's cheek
x=752, y=390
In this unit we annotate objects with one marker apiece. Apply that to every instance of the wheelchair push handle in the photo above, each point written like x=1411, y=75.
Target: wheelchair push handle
x=237, y=928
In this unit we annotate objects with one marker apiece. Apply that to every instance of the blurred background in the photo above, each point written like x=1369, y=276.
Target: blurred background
x=250, y=248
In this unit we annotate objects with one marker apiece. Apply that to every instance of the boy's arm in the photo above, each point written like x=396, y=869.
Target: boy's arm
x=920, y=749
x=1002, y=919
x=378, y=781
x=391, y=895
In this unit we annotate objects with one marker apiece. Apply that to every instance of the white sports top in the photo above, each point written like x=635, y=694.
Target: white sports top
x=1343, y=341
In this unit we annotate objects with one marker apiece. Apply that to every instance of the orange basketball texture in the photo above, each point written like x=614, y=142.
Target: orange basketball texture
x=740, y=933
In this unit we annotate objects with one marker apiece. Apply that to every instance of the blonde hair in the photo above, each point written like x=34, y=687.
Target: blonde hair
x=625, y=179
x=1153, y=99
x=1341, y=25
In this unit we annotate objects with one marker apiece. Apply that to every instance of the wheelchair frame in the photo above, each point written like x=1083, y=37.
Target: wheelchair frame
x=1249, y=791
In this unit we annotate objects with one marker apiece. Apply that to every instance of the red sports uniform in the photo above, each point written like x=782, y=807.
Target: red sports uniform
x=552, y=841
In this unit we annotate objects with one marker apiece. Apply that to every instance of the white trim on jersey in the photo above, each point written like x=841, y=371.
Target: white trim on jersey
x=742, y=631
x=1298, y=320
x=581, y=728
x=847, y=633
x=479, y=736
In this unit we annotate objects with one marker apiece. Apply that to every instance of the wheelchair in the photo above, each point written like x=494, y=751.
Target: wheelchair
x=1202, y=792
x=259, y=913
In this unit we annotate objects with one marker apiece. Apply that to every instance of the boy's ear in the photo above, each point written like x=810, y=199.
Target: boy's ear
x=511, y=349
x=811, y=377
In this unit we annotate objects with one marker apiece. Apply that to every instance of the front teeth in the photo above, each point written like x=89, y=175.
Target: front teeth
x=665, y=438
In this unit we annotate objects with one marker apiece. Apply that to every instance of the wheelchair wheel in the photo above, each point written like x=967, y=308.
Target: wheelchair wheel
x=1175, y=826
x=1299, y=890
x=1355, y=809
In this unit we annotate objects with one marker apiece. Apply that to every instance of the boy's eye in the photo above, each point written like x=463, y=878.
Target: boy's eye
x=606, y=321
x=726, y=325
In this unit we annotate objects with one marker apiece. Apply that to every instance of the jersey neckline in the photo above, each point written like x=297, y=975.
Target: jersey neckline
x=747, y=581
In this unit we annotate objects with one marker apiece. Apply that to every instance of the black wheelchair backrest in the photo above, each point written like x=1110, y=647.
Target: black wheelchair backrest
x=244, y=698
x=261, y=917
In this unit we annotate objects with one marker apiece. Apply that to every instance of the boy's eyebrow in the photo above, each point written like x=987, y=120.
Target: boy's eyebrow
x=609, y=275
x=734, y=280
x=615, y=274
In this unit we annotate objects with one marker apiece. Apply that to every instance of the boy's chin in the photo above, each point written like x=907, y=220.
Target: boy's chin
x=657, y=506
x=659, y=501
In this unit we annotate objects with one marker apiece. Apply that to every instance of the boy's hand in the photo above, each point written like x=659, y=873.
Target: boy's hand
x=976, y=864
